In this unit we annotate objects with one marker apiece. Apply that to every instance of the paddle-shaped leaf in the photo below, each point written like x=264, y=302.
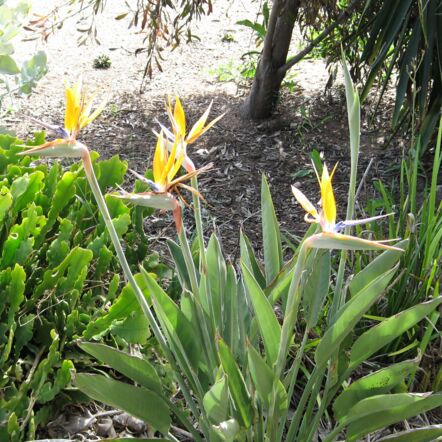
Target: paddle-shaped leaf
x=379, y=382
x=137, y=369
x=386, y=331
x=384, y=261
x=268, y=324
x=317, y=286
x=266, y=384
x=216, y=401
x=377, y=412
x=270, y=234
x=137, y=401
x=425, y=434
x=349, y=315
x=237, y=387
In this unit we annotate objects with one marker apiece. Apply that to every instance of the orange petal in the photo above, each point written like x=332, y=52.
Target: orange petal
x=328, y=197
x=190, y=139
x=159, y=159
x=179, y=117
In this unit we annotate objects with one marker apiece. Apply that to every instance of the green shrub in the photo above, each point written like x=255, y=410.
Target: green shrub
x=59, y=280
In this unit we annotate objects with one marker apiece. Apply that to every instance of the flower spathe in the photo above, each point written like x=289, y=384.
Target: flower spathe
x=78, y=114
x=165, y=168
x=326, y=218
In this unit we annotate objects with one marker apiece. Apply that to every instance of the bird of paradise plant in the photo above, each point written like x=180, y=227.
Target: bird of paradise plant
x=226, y=345
x=78, y=115
x=179, y=134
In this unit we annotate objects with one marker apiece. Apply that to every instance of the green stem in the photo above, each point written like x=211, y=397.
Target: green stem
x=92, y=179
x=306, y=423
x=293, y=378
x=294, y=425
x=291, y=311
x=187, y=255
x=199, y=224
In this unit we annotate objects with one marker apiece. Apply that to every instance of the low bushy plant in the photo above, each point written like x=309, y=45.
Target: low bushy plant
x=59, y=280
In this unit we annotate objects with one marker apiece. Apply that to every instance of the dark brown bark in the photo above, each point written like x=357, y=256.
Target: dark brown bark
x=273, y=64
x=268, y=79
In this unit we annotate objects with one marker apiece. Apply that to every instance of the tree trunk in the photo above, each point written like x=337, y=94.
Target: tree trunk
x=268, y=78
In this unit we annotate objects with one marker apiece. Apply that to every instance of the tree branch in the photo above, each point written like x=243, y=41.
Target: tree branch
x=271, y=27
x=322, y=36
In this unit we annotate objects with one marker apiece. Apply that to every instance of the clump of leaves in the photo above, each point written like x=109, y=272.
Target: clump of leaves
x=59, y=280
x=102, y=62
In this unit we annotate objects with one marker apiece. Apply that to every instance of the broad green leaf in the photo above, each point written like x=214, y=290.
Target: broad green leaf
x=384, y=261
x=386, y=331
x=174, y=320
x=110, y=172
x=8, y=66
x=237, y=387
x=379, y=382
x=380, y=411
x=268, y=324
x=266, y=383
x=248, y=257
x=137, y=369
x=134, y=329
x=425, y=434
x=125, y=304
x=216, y=279
x=227, y=430
x=349, y=315
x=316, y=287
x=137, y=401
x=216, y=401
x=270, y=233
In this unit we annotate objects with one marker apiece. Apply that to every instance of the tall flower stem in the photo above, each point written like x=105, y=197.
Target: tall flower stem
x=291, y=311
x=92, y=179
x=199, y=225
